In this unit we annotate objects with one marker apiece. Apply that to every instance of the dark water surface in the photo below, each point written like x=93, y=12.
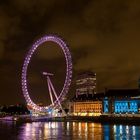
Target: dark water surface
x=67, y=131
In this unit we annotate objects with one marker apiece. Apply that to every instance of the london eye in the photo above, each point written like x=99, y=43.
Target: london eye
x=55, y=99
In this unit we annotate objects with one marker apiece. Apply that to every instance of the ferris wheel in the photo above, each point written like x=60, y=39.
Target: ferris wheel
x=56, y=100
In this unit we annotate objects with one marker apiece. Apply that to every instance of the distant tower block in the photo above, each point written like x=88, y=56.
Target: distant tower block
x=86, y=84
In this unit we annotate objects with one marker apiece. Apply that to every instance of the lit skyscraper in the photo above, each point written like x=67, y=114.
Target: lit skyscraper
x=86, y=84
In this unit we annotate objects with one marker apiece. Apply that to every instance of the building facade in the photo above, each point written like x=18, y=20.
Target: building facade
x=112, y=101
x=84, y=103
x=87, y=108
x=121, y=102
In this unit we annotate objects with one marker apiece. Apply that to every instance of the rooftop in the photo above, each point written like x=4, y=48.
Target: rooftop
x=110, y=93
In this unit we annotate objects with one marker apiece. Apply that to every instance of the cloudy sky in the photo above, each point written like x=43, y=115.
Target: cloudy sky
x=103, y=36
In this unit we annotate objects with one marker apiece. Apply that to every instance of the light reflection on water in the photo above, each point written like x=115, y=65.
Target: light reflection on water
x=68, y=131
x=127, y=132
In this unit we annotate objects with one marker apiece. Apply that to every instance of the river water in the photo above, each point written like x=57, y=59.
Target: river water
x=67, y=131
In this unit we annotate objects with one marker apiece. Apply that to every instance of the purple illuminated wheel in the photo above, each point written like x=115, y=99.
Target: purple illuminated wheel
x=68, y=77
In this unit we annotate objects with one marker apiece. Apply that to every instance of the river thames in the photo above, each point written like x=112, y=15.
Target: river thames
x=67, y=131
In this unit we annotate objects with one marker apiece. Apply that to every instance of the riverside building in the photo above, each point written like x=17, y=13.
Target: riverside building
x=84, y=102
x=110, y=102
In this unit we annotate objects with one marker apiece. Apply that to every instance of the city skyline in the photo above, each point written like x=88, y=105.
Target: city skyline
x=103, y=37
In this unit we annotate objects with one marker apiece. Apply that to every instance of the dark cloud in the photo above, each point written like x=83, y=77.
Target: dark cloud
x=103, y=37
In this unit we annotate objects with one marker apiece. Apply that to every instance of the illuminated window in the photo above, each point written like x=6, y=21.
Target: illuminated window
x=126, y=106
x=106, y=106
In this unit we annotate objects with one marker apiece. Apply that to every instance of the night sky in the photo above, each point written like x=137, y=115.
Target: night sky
x=103, y=36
